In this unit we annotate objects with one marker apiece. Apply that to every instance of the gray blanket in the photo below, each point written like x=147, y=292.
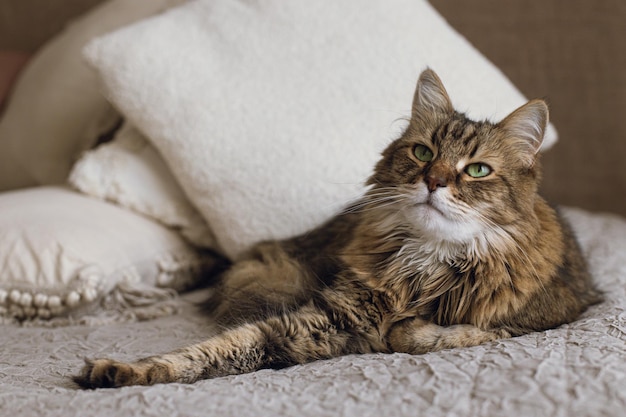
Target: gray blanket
x=576, y=370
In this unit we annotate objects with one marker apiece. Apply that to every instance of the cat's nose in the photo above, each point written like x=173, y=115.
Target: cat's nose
x=434, y=181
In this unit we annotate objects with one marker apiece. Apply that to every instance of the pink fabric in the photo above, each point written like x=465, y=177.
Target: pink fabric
x=11, y=62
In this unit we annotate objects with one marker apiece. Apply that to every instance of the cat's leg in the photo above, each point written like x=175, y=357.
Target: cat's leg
x=420, y=336
x=266, y=282
x=299, y=337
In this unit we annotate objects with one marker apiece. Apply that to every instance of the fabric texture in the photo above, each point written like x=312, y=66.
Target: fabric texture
x=67, y=255
x=56, y=109
x=574, y=370
x=129, y=172
x=271, y=114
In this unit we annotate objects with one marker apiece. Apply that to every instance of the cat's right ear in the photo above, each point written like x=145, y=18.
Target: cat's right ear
x=430, y=101
x=526, y=127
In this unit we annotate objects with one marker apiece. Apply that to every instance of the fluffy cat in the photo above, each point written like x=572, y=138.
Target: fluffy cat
x=451, y=246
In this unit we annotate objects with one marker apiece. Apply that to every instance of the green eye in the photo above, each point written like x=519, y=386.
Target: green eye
x=477, y=170
x=423, y=153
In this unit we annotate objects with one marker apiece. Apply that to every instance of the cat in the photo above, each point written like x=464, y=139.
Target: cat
x=450, y=246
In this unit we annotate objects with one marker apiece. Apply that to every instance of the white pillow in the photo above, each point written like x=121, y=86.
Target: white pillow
x=56, y=109
x=272, y=114
x=130, y=172
x=63, y=253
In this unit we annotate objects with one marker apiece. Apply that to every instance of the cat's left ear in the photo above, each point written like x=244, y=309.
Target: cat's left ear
x=526, y=126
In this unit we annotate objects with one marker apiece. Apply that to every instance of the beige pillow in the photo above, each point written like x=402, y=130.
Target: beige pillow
x=56, y=108
x=64, y=254
x=130, y=172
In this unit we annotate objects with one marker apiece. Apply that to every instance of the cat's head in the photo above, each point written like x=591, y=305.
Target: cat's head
x=458, y=179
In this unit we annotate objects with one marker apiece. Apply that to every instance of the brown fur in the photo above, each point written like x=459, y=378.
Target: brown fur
x=430, y=258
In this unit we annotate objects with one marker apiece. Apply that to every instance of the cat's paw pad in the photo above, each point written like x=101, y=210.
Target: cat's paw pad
x=107, y=373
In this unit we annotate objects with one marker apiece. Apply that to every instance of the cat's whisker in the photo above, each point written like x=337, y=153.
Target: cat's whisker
x=383, y=191
x=369, y=206
x=377, y=199
x=380, y=205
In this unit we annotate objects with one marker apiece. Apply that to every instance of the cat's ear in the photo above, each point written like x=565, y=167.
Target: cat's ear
x=526, y=126
x=430, y=100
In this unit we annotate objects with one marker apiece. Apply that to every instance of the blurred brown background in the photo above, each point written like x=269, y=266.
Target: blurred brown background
x=571, y=52
x=27, y=24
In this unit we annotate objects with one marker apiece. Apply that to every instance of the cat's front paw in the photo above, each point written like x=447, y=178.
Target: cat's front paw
x=107, y=373
x=500, y=333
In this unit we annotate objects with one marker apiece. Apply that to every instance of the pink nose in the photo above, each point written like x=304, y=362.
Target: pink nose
x=435, y=181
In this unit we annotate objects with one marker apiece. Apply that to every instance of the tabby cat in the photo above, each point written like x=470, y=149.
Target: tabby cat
x=451, y=246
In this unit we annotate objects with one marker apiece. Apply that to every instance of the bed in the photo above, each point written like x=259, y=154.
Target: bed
x=119, y=205
x=577, y=369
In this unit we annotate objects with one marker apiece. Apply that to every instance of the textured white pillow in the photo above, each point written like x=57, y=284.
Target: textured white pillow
x=56, y=108
x=130, y=172
x=63, y=253
x=272, y=113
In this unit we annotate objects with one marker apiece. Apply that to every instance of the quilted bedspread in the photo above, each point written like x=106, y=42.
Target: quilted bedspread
x=578, y=369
